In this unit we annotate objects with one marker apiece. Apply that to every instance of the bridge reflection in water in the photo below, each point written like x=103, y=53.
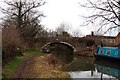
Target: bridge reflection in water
x=102, y=71
x=63, y=53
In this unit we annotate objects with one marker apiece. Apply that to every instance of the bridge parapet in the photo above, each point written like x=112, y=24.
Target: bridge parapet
x=78, y=43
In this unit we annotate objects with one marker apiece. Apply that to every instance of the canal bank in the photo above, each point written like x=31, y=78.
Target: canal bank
x=40, y=66
x=62, y=66
x=9, y=70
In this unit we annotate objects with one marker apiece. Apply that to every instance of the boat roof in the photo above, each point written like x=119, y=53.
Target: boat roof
x=110, y=47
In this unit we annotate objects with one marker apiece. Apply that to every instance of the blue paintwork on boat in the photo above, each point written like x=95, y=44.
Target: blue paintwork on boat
x=110, y=52
x=114, y=72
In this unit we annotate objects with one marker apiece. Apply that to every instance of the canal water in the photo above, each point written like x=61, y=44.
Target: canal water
x=87, y=67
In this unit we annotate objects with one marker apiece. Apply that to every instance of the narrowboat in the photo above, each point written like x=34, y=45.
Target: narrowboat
x=108, y=53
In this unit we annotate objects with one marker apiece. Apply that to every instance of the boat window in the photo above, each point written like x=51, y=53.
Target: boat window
x=116, y=53
x=101, y=68
x=108, y=70
x=101, y=52
x=108, y=52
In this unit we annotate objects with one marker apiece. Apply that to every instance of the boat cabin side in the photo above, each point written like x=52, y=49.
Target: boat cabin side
x=109, y=51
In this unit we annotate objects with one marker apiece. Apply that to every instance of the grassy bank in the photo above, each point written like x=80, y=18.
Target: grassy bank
x=38, y=66
x=13, y=65
x=42, y=68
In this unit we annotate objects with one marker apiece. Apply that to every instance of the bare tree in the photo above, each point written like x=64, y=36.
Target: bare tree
x=106, y=13
x=10, y=41
x=77, y=33
x=0, y=38
x=52, y=33
x=25, y=14
x=62, y=28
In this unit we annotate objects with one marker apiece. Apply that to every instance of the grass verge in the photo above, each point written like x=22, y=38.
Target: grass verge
x=42, y=69
x=13, y=65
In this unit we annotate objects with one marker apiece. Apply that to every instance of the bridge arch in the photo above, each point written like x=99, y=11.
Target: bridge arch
x=60, y=42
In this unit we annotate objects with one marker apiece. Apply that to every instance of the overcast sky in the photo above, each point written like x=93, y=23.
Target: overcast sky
x=68, y=11
x=65, y=11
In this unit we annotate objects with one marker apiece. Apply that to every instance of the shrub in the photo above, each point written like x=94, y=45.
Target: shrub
x=90, y=43
x=10, y=40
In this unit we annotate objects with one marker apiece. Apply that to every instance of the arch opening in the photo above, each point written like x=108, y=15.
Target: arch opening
x=46, y=47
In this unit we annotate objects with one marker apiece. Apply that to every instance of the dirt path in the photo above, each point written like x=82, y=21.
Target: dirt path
x=38, y=67
x=21, y=70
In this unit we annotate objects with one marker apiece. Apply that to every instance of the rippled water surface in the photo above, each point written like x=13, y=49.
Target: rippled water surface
x=87, y=67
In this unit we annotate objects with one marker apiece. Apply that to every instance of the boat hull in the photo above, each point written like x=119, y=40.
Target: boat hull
x=107, y=59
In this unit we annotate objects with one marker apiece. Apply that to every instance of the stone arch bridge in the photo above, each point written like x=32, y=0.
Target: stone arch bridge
x=46, y=47
x=77, y=44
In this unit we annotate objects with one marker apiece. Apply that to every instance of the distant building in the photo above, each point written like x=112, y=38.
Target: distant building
x=106, y=40
x=118, y=39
